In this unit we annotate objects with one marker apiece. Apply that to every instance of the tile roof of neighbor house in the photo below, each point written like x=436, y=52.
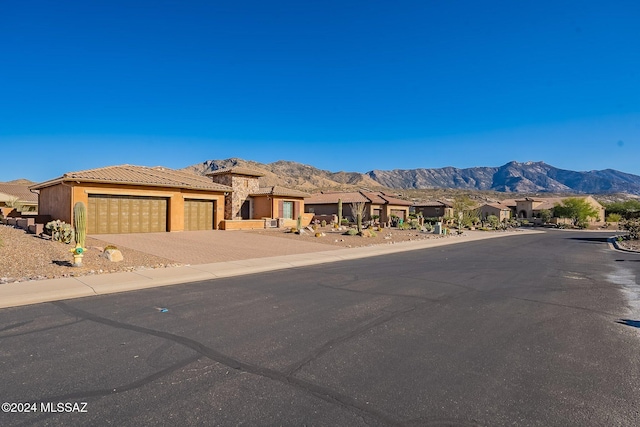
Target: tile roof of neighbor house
x=549, y=203
x=139, y=175
x=497, y=206
x=235, y=171
x=354, y=197
x=279, y=191
x=433, y=204
x=508, y=202
x=9, y=192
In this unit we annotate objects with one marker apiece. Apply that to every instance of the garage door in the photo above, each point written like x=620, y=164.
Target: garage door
x=198, y=215
x=126, y=214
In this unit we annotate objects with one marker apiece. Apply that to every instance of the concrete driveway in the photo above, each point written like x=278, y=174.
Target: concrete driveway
x=204, y=247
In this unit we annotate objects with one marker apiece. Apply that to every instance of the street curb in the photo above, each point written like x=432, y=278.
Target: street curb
x=40, y=291
x=614, y=241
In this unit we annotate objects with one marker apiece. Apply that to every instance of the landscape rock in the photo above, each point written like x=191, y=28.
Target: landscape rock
x=113, y=255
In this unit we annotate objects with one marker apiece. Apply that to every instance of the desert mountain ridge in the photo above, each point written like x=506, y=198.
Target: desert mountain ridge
x=513, y=177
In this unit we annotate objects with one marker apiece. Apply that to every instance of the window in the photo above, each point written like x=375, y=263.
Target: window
x=287, y=210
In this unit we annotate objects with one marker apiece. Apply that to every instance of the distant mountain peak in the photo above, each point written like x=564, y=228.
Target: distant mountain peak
x=518, y=177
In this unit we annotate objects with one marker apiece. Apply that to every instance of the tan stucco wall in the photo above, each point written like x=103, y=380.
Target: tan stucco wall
x=262, y=207
x=276, y=205
x=245, y=224
x=58, y=200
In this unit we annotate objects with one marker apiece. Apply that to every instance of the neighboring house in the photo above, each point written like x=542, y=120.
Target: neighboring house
x=530, y=207
x=135, y=199
x=502, y=212
x=435, y=209
x=249, y=204
x=376, y=203
x=17, y=195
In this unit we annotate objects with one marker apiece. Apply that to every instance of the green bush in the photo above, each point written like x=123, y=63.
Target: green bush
x=344, y=221
x=351, y=232
x=404, y=226
x=323, y=223
x=614, y=217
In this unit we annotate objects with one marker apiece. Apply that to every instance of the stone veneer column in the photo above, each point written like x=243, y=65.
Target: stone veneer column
x=242, y=187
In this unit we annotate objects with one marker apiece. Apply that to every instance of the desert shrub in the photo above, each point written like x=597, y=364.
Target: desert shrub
x=110, y=247
x=351, y=232
x=632, y=226
x=614, y=217
x=493, y=221
x=344, y=221
x=323, y=223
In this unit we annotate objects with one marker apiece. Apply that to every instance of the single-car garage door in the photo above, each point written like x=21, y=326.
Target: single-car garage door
x=108, y=214
x=198, y=214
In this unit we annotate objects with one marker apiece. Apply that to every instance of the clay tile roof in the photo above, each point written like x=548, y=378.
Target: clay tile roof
x=236, y=171
x=11, y=191
x=433, y=204
x=355, y=197
x=375, y=198
x=395, y=201
x=509, y=202
x=497, y=205
x=139, y=175
x=280, y=191
x=330, y=198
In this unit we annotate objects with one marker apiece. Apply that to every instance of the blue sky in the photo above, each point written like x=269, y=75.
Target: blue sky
x=340, y=85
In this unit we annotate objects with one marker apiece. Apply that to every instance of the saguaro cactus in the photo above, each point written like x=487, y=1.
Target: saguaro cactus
x=339, y=212
x=80, y=223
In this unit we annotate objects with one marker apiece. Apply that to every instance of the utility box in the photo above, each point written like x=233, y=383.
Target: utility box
x=437, y=229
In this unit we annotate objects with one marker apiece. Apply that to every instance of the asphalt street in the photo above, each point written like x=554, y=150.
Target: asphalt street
x=540, y=329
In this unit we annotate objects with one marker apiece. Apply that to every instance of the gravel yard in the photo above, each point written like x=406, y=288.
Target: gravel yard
x=28, y=257
x=387, y=236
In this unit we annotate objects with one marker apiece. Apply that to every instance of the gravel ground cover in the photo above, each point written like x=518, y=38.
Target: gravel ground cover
x=26, y=256
x=386, y=236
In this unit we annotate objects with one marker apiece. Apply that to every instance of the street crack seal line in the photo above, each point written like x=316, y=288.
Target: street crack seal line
x=329, y=345
x=324, y=393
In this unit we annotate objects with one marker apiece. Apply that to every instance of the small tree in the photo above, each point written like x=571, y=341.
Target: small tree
x=463, y=211
x=545, y=215
x=578, y=210
x=494, y=221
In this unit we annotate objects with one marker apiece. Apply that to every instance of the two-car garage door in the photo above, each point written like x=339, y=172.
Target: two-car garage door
x=108, y=214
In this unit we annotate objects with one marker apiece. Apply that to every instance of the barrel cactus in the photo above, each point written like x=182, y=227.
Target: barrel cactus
x=80, y=223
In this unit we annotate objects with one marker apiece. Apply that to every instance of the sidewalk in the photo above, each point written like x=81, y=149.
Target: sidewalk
x=25, y=293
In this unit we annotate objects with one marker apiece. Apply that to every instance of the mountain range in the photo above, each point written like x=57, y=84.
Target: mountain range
x=514, y=177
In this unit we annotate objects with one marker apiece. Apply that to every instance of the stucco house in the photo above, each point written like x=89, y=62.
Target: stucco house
x=135, y=199
x=12, y=195
x=249, y=205
x=434, y=209
x=376, y=203
x=501, y=211
x=530, y=207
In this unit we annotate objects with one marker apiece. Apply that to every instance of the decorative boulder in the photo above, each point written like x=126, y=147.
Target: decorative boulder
x=113, y=255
